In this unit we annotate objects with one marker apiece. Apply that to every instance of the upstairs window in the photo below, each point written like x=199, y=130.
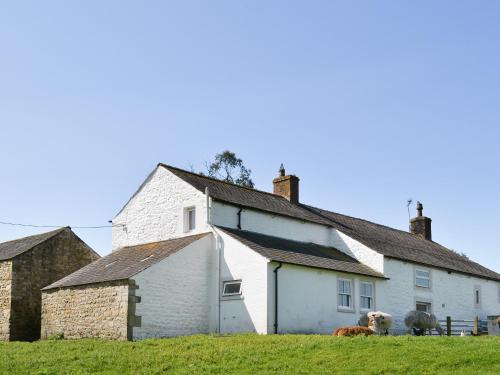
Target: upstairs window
x=422, y=278
x=345, y=294
x=231, y=288
x=189, y=219
x=366, y=295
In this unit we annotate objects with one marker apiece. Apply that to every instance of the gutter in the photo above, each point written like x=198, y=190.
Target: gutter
x=276, y=297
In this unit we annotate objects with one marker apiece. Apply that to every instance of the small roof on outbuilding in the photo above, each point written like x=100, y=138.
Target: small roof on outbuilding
x=301, y=253
x=125, y=262
x=11, y=249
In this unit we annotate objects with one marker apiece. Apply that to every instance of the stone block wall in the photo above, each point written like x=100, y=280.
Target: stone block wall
x=37, y=268
x=87, y=311
x=5, y=294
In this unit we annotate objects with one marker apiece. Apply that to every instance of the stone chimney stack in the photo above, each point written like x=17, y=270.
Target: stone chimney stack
x=421, y=225
x=286, y=186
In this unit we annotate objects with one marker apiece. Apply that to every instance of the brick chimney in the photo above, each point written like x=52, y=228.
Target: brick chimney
x=421, y=225
x=286, y=186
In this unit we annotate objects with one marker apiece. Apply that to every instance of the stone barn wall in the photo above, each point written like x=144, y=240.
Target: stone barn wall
x=37, y=268
x=87, y=311
x=5, y=293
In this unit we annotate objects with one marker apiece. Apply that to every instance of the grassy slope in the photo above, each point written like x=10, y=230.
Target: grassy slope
x=256, y=355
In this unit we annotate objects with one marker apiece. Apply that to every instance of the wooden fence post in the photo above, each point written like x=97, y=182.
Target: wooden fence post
x=448, y=326
x=476, y=326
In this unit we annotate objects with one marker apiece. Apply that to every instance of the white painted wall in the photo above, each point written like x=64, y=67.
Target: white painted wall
x=177, y=293
x=307, y=299
x=156, y=212
x=454, y=291
x=279, y=226
x=248, y=314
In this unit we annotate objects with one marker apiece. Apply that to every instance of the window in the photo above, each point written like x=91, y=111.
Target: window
x=189, y=219
x=231, y=288
x=366, y=295
x=423, y=278
x=423, y=306
x=345, y=294
x=477, y=297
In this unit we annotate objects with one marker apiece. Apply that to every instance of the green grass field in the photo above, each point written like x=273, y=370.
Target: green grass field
x=253, y=354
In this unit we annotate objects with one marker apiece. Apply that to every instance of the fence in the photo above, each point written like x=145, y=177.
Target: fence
x=470, y=327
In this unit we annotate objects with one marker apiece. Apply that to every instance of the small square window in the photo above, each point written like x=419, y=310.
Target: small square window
x=231, y=288
x=189, y=219
x=423, y=306
x=423, y=278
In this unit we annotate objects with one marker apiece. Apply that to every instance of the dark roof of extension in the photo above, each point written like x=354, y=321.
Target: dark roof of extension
x=385, y=240
x=11, y=249
x=300, y=253
x=125, y=262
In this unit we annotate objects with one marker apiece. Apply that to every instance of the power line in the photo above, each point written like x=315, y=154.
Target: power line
x=60, y=226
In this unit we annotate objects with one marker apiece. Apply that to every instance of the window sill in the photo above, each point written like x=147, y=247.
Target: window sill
x=232, y=298
x=346, y=310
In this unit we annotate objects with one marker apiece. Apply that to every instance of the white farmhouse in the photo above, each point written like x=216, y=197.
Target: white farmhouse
x=192, y=254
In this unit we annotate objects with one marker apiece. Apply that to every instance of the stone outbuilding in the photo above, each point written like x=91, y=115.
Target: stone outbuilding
x=26, y=266
x=128, y=294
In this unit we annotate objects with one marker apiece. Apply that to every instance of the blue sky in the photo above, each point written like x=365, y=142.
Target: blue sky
x=369, y=103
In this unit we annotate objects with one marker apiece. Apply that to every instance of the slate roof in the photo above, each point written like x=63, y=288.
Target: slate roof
x=405, y=246
x=300, y=253
x=239, y=195
x=11, y=249
x=385, y=240
x=125, y=262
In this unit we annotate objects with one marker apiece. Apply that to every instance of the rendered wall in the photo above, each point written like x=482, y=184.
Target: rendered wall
x=156, y=211
x=238, y=262
x=307, y=299
x=177, y=293
x=293, y=229
x=450, y=294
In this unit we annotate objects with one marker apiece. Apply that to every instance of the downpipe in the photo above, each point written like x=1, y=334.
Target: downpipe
x=276, y=297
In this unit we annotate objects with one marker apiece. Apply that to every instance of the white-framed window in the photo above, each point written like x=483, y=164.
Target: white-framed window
x=189, y=219
x=422, y=278
x=231, y=288
x=345, y=294
x=423, y=306
x=366, y=295
x=477, y=296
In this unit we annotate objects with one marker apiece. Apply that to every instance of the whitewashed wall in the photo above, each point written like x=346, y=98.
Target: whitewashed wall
x=450, y=294
x=248, y=314
x=298, y=230
x=156, y=212
x=307, y=299
x=177, y=293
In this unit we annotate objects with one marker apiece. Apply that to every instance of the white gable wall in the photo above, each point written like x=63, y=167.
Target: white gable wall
x=177, y=293
x=454, y=291
x=156, y=212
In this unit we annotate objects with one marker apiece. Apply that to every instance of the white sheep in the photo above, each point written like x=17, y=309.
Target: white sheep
x=378, y=321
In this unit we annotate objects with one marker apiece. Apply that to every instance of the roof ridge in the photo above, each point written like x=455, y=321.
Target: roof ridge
x=53, y=233
x=217, y=180
x=368, y=221
x=202, y=234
